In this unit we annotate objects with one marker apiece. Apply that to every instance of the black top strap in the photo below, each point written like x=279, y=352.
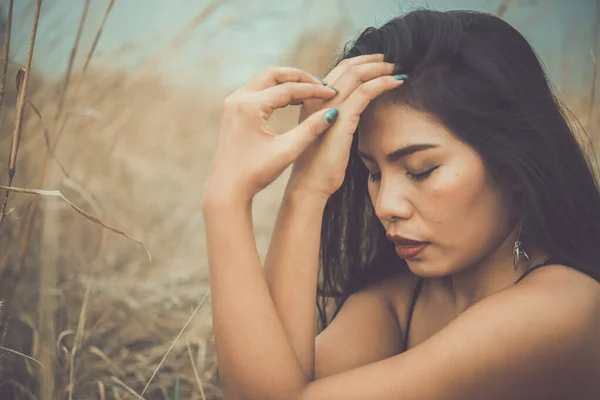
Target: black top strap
x=547, y=262
x=588, y=271
x=411, y=309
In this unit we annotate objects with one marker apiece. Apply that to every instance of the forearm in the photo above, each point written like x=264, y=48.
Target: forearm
x=291, y=270
x=255, y=357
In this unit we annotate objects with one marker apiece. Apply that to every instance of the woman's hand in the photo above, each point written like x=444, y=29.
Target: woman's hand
x=321, y=168
x=249, y=154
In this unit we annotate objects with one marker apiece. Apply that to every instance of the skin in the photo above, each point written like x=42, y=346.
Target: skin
x=476, y=336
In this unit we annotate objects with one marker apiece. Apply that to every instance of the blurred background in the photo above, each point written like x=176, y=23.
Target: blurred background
x=121, y=115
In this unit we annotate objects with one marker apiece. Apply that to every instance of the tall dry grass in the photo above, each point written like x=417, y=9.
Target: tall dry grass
x=136, y=161
x=136, y=151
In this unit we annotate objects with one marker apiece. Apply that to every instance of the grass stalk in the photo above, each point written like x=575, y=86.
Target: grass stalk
x=127, y=388
x=63, y=124
x=198, y=307
x=21, y=355
x=21, y=97
x=72, y=57
x=21, y=101
x=195, y=369
x=88, y=59
x=82, y=316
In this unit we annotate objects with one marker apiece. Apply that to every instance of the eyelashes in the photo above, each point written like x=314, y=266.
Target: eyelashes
x=415, y=177
x=375, y=177
x=422, y=176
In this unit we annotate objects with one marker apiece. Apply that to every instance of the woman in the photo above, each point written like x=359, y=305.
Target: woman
x=455, y=217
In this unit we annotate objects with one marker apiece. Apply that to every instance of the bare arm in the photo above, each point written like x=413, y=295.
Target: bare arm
x=291, y=270
x=256, y=357
x=364, y=331
x=252, y=346
x=291, y=265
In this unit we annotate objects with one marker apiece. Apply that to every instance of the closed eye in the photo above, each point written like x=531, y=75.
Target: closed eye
x=376, y=177
x=422, y=176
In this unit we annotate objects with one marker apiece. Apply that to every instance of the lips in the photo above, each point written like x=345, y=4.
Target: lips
x=404, y=241
x=407, y=248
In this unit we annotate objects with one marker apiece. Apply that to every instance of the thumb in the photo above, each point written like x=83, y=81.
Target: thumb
x=296, y=140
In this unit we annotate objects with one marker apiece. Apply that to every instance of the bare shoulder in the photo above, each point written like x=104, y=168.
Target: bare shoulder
x=365, y=330
x=557, y=310
x=570, y=292
x=565, y=290
x=573, y=284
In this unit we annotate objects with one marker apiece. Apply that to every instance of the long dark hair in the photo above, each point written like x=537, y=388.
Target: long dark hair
x=480, y=78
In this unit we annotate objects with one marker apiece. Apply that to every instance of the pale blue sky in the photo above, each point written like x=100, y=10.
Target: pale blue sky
x=245, y=36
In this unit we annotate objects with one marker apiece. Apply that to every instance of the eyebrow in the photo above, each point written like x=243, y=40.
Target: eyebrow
x=401, y=152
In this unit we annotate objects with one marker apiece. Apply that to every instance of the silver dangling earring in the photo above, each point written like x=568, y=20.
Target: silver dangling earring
x=518, y=248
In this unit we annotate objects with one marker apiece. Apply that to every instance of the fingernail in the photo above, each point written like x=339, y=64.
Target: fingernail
x=322, y=81
x=334, y=89
x=401, y=77
x=331, y=115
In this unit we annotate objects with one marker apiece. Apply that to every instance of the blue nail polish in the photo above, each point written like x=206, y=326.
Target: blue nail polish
x=401, y=77
x=331, y=115
x=322, y=81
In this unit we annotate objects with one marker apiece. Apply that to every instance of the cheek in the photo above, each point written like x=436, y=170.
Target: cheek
x=463, y=199
x=469, y=218
x=452, y=195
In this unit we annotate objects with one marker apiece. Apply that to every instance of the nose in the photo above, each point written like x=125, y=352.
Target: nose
x=391, y=202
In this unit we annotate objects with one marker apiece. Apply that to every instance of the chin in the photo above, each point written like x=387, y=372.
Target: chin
x=426, y=267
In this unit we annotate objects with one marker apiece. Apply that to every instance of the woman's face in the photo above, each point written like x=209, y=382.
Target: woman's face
x=428, y=186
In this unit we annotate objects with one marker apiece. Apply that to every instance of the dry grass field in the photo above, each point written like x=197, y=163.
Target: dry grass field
x=85, y=313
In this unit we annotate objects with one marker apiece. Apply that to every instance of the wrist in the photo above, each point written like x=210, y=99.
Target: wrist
x=216, y=200
x=301, y=196
x=296, y=189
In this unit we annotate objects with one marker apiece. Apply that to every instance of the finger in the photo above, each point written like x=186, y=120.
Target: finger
x=359, y=74
x=356, y=75
x=277, y=75
x=358, y=101
x=293, y=93
x=349, y=62
x=295, y=141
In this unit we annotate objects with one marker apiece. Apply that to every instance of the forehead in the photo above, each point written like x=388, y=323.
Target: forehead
x=385, y=124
